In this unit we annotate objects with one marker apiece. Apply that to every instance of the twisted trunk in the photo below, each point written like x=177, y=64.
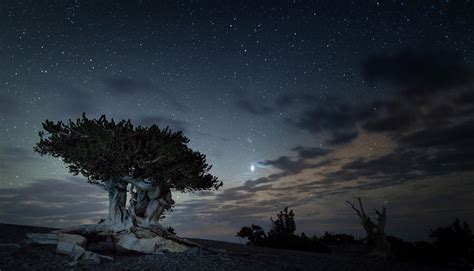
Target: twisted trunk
x=150, y=205
x=135, y=228
x=120, y=218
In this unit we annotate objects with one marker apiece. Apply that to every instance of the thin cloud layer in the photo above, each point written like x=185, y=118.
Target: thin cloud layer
x=52, y=202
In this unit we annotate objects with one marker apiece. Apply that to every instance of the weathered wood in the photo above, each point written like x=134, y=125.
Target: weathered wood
x=375, y=232
x=43, y=238
x=67, y=242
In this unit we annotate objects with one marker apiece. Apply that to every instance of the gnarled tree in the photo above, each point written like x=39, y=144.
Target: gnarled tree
x=147, y=162
x=375, y=232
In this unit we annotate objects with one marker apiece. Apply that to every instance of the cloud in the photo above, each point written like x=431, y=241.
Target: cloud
x=288, y=100
x=53, y=202
x=310, y=152
x=237, y=206
x=339, y=138
x=251, y=103
x=11, y=157
x=335, y=118
x=329, y=115
x=253, y=108
x=294, y=165
x=418, y=73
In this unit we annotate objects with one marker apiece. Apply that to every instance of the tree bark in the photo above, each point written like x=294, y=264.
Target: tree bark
x=135, y=228
x=150, y=205
x=138, y=201
x=120, y=218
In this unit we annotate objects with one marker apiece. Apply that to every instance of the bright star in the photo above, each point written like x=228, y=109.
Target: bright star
x=252, y=168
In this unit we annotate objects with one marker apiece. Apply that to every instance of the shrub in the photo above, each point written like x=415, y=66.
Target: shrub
x=281, y=235
x=255, y=234
x=454, y=241
x=338, y=239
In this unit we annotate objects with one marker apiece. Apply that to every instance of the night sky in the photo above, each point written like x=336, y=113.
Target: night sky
x=295, y=103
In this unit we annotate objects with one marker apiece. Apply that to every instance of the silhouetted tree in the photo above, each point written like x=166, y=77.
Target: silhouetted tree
x=254, y=234
x=281, y=235
x=337, y=239
x=146, y=161
x=284, y=224
x=375, y=232
x=454, y=240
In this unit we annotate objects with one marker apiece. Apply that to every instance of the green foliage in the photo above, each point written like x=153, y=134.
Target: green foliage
x=101, y=150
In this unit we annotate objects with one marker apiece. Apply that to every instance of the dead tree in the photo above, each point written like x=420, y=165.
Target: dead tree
x=375, y=232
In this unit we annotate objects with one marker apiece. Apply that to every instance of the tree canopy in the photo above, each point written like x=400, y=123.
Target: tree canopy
x=103, y=150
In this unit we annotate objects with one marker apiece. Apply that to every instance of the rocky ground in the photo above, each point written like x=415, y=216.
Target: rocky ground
x=214, y=255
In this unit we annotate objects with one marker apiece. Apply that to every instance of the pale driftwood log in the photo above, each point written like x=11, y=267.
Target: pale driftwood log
x=375, y=232
x=68, y=244
x=146, y=241
x=43, y=238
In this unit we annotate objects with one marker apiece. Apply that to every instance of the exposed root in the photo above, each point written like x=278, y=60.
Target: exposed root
x=144, y=238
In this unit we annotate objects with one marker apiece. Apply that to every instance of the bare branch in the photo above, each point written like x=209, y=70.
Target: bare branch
x=361, y=206
x=355, y=209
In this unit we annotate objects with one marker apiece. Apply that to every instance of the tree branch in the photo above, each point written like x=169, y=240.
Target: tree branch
x=139, y=183
x=361, y=207
x=355, y=209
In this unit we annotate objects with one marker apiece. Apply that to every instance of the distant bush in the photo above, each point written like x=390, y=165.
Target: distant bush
x=451, y=244
x=281, y=235
x=412, y=252
x=295, y=242
x=339, y=239
x=454, y=241
x=254, y=234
